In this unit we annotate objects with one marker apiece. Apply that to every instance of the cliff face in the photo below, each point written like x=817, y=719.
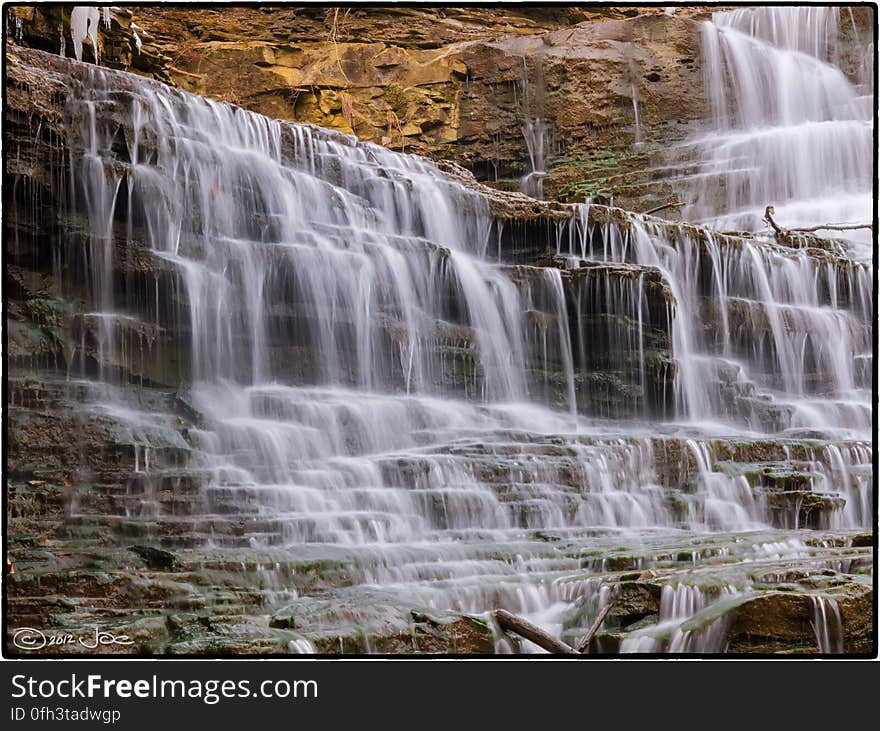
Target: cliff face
x=455, y=83
x=53, y=292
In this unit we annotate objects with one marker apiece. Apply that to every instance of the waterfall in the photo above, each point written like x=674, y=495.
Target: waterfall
x=637, y=125
x=689, y=622
x=632, y=72
x=827, y=625
x=535, y=134
x=339, y=307
x=762, y=334
x=790, y=129
x=364, y=241
x=368, y=378
x=535, y=131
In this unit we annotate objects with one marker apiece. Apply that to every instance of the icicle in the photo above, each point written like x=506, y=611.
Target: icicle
x=84, y=24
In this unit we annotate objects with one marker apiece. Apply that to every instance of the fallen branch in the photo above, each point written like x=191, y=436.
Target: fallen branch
x=768, y=218
x=584, y=644
x=532, y=633
x=832, y=227
x=673, y=204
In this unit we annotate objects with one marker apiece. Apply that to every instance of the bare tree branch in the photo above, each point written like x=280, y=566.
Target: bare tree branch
x=833, y=227
x=533, y=633
x=584, y=644
x=671, y=204
x=768, y=218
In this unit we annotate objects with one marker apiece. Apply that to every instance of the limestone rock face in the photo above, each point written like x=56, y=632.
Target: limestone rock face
x=616, y=86
x=456, y=83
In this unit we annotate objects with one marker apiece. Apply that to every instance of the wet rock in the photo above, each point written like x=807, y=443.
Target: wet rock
x=358, y=629
x=633, y=601
x=775, y=616
x=123, y=45
x=785, y=621
x=156, y=559
x=803, y=509
x=461, y=636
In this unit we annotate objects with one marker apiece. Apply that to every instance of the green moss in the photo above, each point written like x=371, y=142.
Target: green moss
x=583, y=173
x=395, y=96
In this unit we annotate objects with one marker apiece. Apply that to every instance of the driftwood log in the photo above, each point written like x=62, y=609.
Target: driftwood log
x=671, y=204
x=768, y=217
x=584, y=644
x=522, y=627
x=533, y=633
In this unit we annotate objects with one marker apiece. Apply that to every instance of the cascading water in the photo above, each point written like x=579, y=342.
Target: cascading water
x=536, y=133
x=287, y=238
x=689, y=622
x=637, y=127
x=370, y=383
x=763, y=335
x=790, y=129
x=827, y=625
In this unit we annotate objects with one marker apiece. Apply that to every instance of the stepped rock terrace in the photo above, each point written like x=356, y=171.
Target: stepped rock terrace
x=275, y=390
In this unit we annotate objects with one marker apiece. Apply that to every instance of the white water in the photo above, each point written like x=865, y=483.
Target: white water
x=790, y=129
x=367, y=376
x=536, y=133
x=676, y=630
x=633, y=73
x=791, y=360
x=827, y=625
x=636, y=122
